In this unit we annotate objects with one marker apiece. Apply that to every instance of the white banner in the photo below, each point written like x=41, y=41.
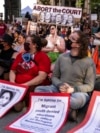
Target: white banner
x=91, y=123
x=57, y=14
x=10, y=94
x=47, y=113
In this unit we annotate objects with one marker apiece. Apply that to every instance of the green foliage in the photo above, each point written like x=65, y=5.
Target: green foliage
x=79, y=3
x=94, y=4
x=45, y=2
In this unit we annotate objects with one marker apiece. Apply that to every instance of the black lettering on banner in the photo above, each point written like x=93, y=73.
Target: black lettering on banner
x=58, y=10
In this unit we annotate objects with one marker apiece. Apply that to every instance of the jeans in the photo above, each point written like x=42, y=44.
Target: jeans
x=77, y=99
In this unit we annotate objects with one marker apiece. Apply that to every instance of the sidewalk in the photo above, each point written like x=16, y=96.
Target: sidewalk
x=11, y=116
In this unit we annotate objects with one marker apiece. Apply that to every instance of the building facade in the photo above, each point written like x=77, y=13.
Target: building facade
x=12, y=9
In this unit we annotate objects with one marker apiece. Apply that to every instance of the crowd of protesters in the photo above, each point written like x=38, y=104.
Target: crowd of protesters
x=69, y=49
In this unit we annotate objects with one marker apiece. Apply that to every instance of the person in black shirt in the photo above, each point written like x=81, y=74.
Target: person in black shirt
x=7, y=54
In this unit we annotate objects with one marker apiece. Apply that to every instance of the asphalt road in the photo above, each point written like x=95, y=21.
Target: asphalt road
x=11, y=116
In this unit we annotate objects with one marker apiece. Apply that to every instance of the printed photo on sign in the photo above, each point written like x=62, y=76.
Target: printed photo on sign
x=47, y=114
x=10, y=94
x=91, y=123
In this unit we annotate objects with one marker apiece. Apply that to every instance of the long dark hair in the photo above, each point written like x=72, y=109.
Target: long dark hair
x=84, y=42
x=39, y=42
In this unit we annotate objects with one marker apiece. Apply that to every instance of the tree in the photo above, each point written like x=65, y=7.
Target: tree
x=94, y=4
x=79, y=3
x=45, y=2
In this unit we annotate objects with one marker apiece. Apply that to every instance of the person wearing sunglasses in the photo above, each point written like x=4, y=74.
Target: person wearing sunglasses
x=55, y=45
x=74, y=73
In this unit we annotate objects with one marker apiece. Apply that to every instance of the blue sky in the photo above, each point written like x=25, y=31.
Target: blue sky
x=24, y=4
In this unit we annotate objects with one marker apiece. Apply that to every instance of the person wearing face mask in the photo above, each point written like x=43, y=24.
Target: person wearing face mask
x=30, y=68
x=74, y=73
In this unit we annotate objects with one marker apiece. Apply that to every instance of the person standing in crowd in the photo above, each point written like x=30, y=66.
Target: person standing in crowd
x=19, y=26
x=31, y=68
x=74, y=73
x=55, y=46
x=28, y=16
x=3, y=28
x=7, y=54
x=94, y=27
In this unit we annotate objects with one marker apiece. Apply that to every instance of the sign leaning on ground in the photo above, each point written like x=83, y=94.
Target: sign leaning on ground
x=56, y=14
x=10, y=94
x=46, y=114
x=91, y=123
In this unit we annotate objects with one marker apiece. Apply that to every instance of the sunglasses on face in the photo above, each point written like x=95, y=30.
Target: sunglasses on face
x=52, y=28
x=73, y=40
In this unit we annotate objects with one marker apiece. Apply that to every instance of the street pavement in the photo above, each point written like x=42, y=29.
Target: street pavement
x=12, y=116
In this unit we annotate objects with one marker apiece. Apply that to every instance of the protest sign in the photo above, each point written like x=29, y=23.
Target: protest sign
x=10, y=94
x=31, y=28
x=91, y=123
x=57, y=14
x=47, y=114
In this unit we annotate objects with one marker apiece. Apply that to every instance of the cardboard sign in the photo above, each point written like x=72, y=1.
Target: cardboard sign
x=91, y=123
x=10, y=94
x=59, y=15
x=31, y=28
x=47, y=114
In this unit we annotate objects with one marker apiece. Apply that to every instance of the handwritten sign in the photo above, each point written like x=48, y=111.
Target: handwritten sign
x=10, y=94
x=91, y=123
x=47, y=113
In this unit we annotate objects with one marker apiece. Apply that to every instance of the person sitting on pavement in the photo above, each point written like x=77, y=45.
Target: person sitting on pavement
x=74, y=73
x=7, y=54
x=31, y=68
